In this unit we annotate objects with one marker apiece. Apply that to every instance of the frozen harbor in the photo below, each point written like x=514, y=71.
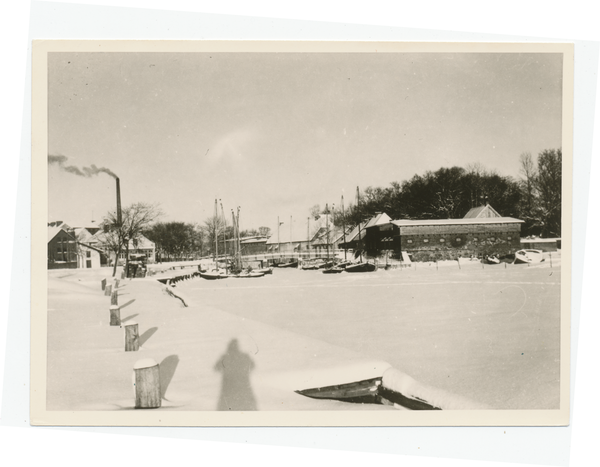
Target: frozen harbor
x=490, y=334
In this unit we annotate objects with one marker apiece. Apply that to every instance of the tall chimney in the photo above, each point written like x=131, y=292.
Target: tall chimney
x=119, y=218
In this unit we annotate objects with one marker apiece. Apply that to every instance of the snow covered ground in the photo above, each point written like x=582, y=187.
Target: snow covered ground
x=487, y=333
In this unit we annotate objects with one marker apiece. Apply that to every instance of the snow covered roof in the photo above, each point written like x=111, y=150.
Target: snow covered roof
x=463, y=221
x=253, y=240
x=142, y=244
x=482, y=212
x=53, y=232
x=379, y=219
x=356, y=233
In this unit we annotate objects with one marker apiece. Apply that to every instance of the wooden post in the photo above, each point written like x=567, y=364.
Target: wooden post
x=108, y=290
x=146, y=381
x=132, y=343
x=117, y=281
x=550, y=259
x=123, y=274
x=114, y=297
x=103, y=284
x=115, y=315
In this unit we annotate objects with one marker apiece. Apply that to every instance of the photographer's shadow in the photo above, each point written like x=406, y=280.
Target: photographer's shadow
x=236, y=391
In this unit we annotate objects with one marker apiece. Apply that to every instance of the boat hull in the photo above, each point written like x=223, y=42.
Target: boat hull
x=250, y=275
x=334, y=270
x=361, y=267
x=368, y=391
x=211, y=276
x=529, y=256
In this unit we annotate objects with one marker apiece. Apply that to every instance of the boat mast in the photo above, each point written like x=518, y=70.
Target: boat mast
x=327, y=228
x=238, y=241
x=359, y=222
x=344, y=228
x=215, y=220
x=278, y=242
x=291, y=244
x=234, y=243
x=224, y=236
x=308, y=235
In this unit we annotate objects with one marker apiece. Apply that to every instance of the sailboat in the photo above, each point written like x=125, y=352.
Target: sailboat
x=360, y=266
x=215, y=273
x=237, y=268
x=329, y=266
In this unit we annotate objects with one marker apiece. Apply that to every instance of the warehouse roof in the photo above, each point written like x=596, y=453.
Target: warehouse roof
x=463, y=221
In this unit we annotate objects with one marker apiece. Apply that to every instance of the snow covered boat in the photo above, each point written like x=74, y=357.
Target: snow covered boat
x=265, y=270
x=529, y=256
x=310, y=265
x=492, y=259
x=394, y=388
x=333, y=270
x=293, y=264
x=247, y=275
x=369, y=391
x=361, y=267
x=360, y=392
x=213, y=275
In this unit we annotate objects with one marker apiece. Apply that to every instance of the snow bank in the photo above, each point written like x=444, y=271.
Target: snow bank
x=404, y=384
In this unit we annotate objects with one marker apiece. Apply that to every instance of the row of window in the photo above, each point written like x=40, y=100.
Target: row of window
x=458, y=239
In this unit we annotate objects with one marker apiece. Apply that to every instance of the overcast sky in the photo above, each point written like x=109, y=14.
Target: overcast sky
x=278, y=133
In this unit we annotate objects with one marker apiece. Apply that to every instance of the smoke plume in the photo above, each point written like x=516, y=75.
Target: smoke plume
x=82, y=172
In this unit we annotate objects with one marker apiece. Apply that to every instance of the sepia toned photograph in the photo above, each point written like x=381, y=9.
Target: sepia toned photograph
x=301, y=234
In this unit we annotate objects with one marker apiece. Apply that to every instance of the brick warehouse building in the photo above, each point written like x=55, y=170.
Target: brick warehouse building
x=62, y=249
x=480, y=234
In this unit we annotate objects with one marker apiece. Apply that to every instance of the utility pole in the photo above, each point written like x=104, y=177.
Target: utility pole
x=344, y=227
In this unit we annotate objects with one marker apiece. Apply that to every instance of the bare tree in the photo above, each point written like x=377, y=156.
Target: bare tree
x=117, y=236
x=214, y=229
x=528, y=182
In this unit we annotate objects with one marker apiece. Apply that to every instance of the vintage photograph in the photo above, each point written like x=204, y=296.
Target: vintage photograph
x=301, y=233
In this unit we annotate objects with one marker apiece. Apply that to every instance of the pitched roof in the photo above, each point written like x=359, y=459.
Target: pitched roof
x=378, y=219
x=482, y=212
x=53, y=232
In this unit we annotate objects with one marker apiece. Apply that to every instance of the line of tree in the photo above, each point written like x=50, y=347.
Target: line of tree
x=449, y=193
x=176, y=241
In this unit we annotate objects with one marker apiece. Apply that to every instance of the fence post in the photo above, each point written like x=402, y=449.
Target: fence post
x=103, y=284
x=115, y=315
x=146, y=382
x=114, y=297
x=132, y=343
x=108, y=290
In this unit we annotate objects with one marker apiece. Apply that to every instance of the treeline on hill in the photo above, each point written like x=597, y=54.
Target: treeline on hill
x=450, y=192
